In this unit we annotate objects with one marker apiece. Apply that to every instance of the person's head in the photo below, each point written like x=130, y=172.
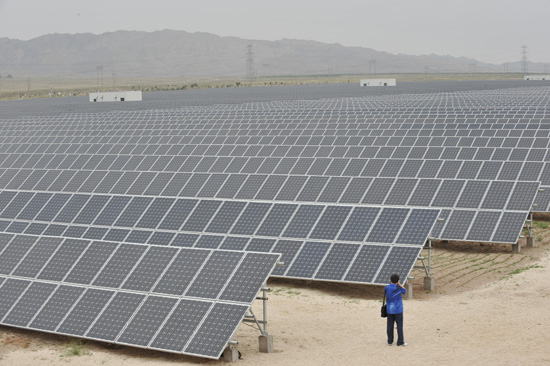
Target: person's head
x=394, y=278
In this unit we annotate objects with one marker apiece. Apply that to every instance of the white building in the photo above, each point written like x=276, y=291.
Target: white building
x=120, y=96
x=378, y=82
x=536, y=77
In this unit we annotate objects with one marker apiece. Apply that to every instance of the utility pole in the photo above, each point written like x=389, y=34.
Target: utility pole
x=114, y=79
x=473, y=67
x=546, y=68
x=29, y=87
x=250, y=72
x=329, y=70
x=524, y=59
x=505, y=67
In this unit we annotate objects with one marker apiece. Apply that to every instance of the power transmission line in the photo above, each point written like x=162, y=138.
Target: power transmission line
x=99, y=71
x=524, y=59
x=250, y=72
x=372, y=67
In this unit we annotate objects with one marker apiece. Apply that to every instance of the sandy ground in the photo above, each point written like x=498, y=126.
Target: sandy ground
x=489, y=308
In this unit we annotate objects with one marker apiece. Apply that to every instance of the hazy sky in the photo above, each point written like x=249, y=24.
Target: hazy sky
x=487, y=30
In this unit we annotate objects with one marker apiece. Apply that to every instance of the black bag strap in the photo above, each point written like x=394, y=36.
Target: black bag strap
x=384, y=301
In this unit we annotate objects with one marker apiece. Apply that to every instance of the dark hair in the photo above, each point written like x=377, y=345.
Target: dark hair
x=394, y=278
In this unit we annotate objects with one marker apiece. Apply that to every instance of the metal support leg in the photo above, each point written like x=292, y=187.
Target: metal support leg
x=530, y=240
x=429, y=269
x=265, y=340
x=516, y=248
x=429, y=282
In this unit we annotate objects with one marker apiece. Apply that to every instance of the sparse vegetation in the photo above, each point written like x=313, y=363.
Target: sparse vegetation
x=285, y=291
x=541, y=224
x=76, y=348
x=42, y=87
x=523, y=269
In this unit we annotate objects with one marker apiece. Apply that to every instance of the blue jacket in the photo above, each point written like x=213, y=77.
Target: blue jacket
x=393, y=298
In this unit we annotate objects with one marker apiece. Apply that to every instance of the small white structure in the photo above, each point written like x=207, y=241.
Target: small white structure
x=120, y=96
x=536, y=77
x=378, y=82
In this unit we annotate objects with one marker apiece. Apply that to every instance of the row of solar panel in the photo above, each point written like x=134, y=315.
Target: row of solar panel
x=42, y=160
x=200, y=273
x=238, y=174
x=285, y=135
x=215, y=275
x=313, y=132
x=340, y=120
x=484, y=226
x=412, y=106
x=14, y=151
x=406, y=108
x=361, y=109
x=441, y=193
x=324, y=222
x=258, y=114
x=265, y=165
x=189, y=326
x=405, y=111
x=473, y=225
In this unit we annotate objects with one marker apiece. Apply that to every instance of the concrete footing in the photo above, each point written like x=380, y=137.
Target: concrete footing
x=516, y=248
x=266, y=343
x=429, y=283
x=409, y=290
x=531, y=242
x=230, y=354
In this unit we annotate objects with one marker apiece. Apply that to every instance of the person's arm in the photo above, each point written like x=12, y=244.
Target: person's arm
x=402, y=289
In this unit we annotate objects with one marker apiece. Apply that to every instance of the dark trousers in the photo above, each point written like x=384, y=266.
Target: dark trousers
x=395, y=318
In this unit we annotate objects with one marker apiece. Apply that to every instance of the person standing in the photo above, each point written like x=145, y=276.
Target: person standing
x=394, y=303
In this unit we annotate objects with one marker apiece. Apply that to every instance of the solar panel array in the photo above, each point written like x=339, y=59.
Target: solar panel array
x=202, y=200
x=388, y=151
x=179, y=300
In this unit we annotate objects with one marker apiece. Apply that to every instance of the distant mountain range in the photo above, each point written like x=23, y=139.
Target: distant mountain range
x=171, y=53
